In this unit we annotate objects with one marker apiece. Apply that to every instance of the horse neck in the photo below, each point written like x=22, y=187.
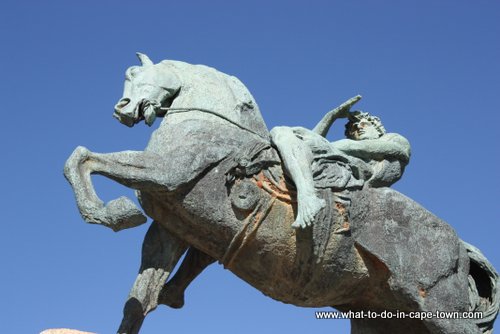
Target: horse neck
x=208, y=89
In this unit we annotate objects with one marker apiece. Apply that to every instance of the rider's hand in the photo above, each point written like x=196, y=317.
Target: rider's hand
x=343, y=112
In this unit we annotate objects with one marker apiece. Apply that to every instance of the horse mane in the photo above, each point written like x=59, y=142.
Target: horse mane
x=195, y=78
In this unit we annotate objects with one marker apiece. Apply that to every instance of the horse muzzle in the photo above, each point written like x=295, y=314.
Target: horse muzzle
x=126, y=112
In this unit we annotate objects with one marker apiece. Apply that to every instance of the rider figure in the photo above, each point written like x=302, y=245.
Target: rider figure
x=378, y=157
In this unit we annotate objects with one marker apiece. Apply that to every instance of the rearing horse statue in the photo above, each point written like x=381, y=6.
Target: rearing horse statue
x=215, y=186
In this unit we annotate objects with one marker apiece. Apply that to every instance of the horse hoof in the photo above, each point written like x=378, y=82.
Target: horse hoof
x=171, y=297
x=123, y=213
x=174, y=303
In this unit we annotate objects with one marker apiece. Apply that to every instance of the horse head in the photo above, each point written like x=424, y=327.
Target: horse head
x=145, y=92
x=153, y=89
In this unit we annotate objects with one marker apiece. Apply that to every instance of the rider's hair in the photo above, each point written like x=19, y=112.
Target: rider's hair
x=357, y=116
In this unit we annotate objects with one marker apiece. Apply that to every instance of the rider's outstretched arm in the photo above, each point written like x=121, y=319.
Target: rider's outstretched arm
x=389, y=146
x=341, y=111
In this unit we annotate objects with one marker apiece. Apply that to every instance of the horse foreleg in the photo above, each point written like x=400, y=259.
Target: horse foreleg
x=134, y=169
x=160, y=253
x=193, y=264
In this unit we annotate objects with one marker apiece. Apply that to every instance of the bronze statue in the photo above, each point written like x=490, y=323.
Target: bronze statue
x=215, y=185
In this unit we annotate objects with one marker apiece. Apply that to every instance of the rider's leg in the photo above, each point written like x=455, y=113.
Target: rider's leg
x=160, y=253
x=192, y=265
x=297, y=157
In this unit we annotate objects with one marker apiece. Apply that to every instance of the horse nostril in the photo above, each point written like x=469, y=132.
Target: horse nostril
x=122, y=103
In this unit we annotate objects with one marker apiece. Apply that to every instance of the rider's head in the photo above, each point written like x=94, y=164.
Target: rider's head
x=362, y=126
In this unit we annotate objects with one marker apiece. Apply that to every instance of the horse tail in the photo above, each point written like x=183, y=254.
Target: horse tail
x=484, y=285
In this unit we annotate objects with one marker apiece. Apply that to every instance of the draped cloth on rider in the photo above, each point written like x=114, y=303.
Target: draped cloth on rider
x=333, y=179
x=331, y=168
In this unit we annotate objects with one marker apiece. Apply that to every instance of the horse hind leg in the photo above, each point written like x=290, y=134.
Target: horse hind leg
x=447, y=324
x=448, y=302
x=193, y=264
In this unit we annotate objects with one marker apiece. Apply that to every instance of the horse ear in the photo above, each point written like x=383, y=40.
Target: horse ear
x=145, y=61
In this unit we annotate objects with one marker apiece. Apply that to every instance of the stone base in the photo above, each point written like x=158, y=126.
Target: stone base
x=64, y=331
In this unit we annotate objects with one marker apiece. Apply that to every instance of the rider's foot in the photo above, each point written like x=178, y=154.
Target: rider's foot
x=308, y=208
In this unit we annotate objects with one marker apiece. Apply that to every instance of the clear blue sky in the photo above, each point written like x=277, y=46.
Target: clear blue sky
x=429, y=69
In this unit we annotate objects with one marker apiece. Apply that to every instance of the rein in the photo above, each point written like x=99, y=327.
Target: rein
x=208, y=111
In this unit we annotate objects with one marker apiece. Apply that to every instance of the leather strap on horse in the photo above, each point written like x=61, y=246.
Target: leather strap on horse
x=280, y=191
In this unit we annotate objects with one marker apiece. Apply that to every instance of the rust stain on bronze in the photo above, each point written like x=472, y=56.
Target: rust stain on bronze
x=342, y=210
x=263, y=182
x=340, y=207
